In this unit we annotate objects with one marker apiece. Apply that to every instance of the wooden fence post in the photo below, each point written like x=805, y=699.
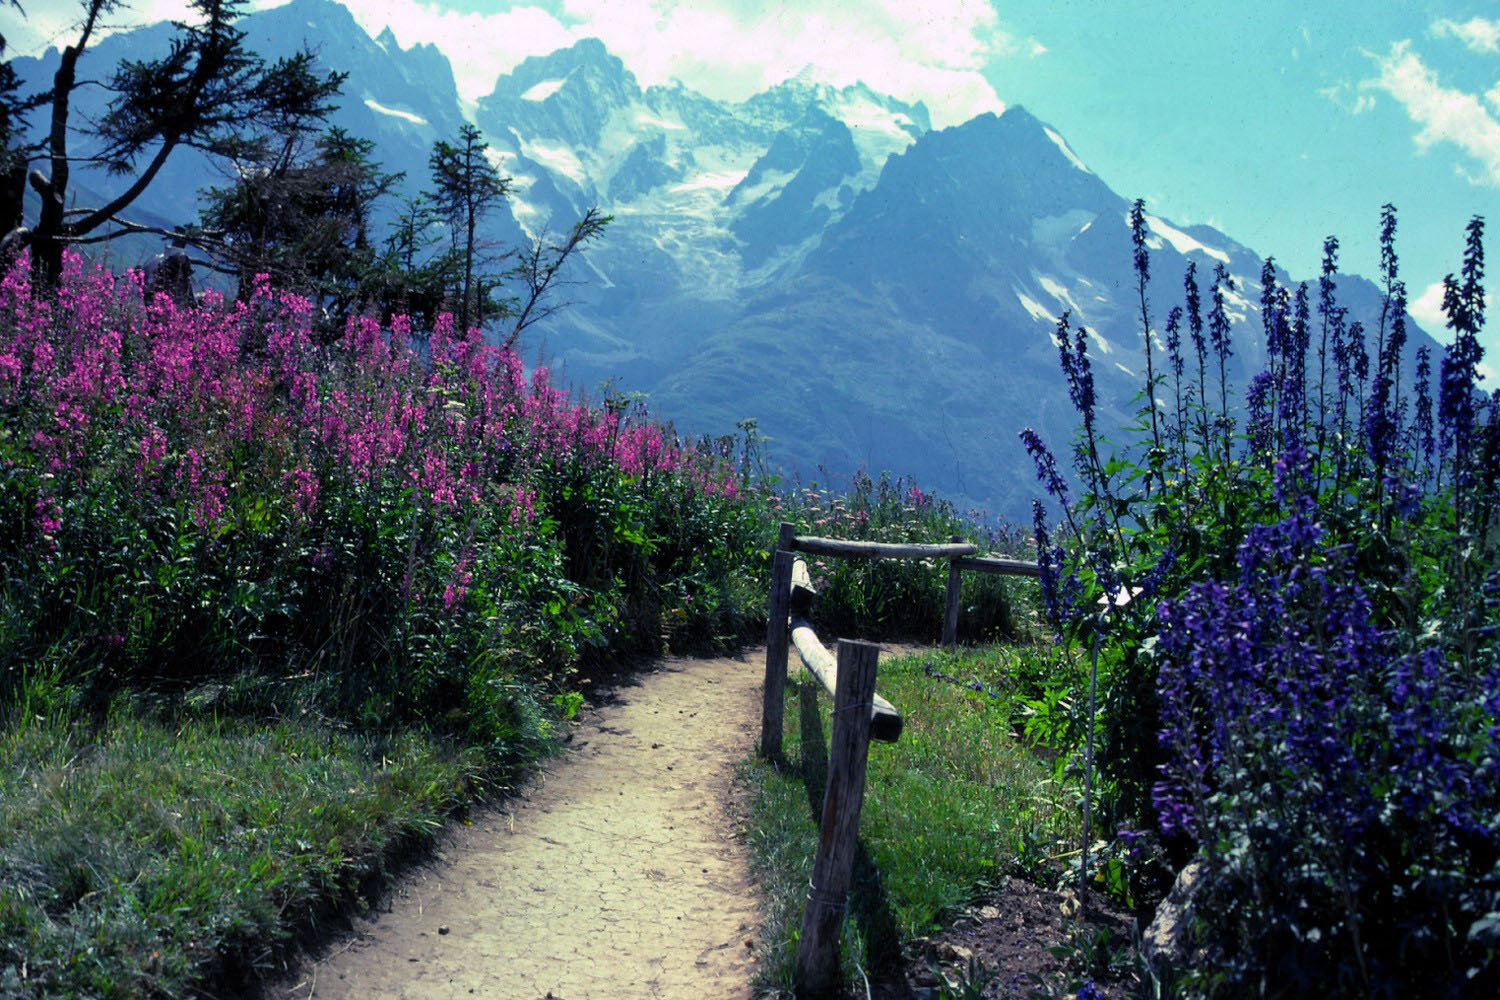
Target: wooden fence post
x=828, y=892
x=950, y=616
x=774, y=695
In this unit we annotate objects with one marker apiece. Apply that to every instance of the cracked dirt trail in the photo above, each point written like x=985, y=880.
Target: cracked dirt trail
x=615, y=874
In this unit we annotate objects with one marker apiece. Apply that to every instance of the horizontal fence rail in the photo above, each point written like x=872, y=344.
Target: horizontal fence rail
x=885, y=721
x=880, y=550
x=997, y=564
x=860, y=715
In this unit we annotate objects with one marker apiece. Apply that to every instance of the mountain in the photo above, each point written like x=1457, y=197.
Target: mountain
x=871, y=290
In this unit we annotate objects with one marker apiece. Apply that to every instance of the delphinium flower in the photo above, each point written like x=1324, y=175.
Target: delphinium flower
x=1379, y=421
x=1488, y=475
x=1219, y=338
x=1192, y=298
x=1258, y=404
x=1327, y=306
x=1062, y=336
x=1423, y=439
x=1158, y=574
x=1304, y=738
x=1046, y=466
x=1059, y=594
x=1081, y=387
x=1463, y=301
x=1294, y=409
x=1359, y=364
x=1141, y=261
x=1272, y=317
x=1290, y=478
x=1174, y=354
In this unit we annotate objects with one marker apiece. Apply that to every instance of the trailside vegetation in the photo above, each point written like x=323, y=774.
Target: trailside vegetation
x=401, y=550
x=1299, y=675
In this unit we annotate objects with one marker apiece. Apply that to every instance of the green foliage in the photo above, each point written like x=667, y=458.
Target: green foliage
x=1298, y=665
x=205, y=550
x=948, y=809
x=231, y=527
x=205, y=546
x=889, y=598
x=301, y=215
x=141, y=856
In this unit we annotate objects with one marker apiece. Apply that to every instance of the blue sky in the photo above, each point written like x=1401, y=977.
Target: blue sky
x=1278, y=122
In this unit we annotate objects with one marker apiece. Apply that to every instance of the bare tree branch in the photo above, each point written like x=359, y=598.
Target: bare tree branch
x=539, y=265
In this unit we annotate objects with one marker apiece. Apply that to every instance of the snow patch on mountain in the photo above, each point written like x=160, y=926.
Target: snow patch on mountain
x=379, y=108
x=1181, y=241
x=769, y=182
x=1067, y=151
x=648, y=120
x=556, y=157
x=1036, y=309
x=542, y=91
x=1057, y=229
x=1236, y=306
x=1056, y=289
x=711, y=180
x=879, y=131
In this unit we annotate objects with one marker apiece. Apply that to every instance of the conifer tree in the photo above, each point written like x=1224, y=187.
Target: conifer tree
x=301, y=212
x=413, y=280
x=466, y=186
x=207, y=93
x=12, y=160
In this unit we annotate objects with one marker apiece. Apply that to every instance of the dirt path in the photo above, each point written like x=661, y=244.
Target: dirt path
x=616, y=874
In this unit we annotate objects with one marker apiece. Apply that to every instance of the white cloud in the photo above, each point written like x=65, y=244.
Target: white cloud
x=932, y=52
x=56, y=24
x=731, y=49
x=1477, y=33
x=480, y=46
x=1444, y=114
x=1427, y=310
x=1346, y=98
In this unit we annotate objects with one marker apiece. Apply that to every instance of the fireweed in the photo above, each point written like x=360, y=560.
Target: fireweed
x=413, y=525
x=1303, y=694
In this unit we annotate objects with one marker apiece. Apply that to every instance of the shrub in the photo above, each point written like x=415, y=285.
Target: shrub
x=389, y=529
x=1301, y=690
x=904, y=597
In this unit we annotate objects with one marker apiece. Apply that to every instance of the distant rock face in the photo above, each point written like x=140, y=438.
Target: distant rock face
x=873, y=291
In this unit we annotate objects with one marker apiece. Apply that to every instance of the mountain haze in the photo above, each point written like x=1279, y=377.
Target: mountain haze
x=871, y=290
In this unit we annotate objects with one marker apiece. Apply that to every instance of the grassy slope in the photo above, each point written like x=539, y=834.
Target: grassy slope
x=951, y=805
x=138, y=858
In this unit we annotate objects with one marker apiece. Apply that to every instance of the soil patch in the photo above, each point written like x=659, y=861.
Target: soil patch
x=1034, y=943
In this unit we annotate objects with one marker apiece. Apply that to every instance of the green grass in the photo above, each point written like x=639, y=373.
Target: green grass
x=140, y=858
x=956, y=803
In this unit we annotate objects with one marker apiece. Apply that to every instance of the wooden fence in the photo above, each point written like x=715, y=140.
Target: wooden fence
x=859, y=715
